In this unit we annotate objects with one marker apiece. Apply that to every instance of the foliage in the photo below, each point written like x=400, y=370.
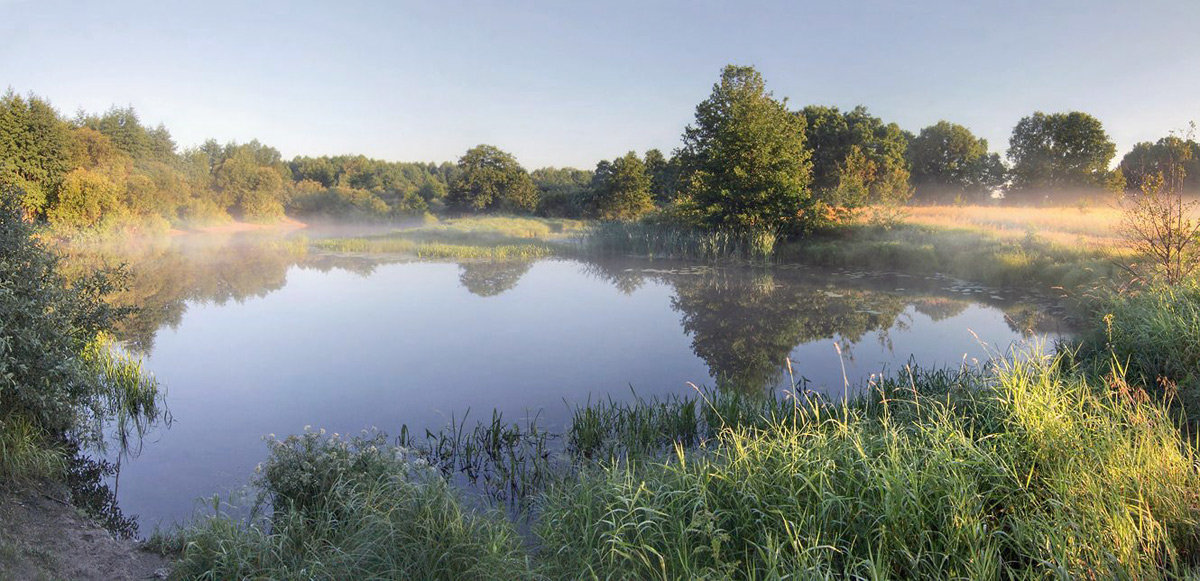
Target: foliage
x=664, y=177
x=1162, y=228
x=60, y=381
x=620, y=190
x=406, y=188
x=948, y=161
x=1152, y=334
x=1057, y=154
x=1025, y=471
x=670, y=240
x=856, y=158
x=562, y=192
x=352, y=508
x=35, y=149
x=338, y=202
x=491, y=180
x=1167, y=156
x=744, y=162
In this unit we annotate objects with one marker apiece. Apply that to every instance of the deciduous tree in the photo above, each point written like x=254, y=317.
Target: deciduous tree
x=1058, y=154
x=744, y=161
x=491, y=180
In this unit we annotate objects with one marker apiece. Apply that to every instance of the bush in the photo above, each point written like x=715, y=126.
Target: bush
x=60, y=378
x=352, y=509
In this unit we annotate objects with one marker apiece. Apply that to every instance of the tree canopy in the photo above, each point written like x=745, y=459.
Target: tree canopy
x=857, y=158
x=948, y=161
x=1058, y=153
x=744, y=161
x=491, y=180
x=620, y=190
x=1167, y=156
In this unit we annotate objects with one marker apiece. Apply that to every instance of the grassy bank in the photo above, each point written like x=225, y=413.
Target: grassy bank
x=493, y=237
x=1034, y=466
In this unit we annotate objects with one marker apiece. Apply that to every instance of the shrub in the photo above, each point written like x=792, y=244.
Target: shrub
x=353, y=509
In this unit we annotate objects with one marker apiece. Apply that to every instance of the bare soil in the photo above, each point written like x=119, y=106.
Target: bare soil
x=43, y=537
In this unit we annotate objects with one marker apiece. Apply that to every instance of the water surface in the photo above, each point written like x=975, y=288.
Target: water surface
x=256, y=337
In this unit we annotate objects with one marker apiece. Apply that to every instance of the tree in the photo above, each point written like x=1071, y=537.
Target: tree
x=744, y=163
x=948, y=161
x=250, y=178
x=1146, y=160
x=562, y=192
x=834, y=136
x=491, y=180
x=1161, y=226
x=621, y=189
x=1058, y=154
x=35, y=150
x=664, y=177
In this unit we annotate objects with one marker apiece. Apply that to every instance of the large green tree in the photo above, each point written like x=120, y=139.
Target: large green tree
x=948, y=161
x=620, y=190
x=1058, y=154
x=857, y=158
x=35, y=150
x=664, y=176
x=491, y=180
x=744, y=163
x=562, y=192
x=1169, y=157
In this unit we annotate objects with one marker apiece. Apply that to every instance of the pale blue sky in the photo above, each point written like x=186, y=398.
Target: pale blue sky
x=569, y=83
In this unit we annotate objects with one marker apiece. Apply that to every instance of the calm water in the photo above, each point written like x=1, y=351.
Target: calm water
x=260, y=337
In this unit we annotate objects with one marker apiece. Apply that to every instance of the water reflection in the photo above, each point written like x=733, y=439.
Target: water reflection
x=742, y=321
x=257, y=334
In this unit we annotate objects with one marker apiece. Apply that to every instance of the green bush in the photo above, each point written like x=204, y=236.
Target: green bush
x=352, y=509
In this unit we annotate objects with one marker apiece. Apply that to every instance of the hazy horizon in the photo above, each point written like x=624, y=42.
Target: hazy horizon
x=568, y=85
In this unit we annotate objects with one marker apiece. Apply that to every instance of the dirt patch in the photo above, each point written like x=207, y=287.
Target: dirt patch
x=44, y=537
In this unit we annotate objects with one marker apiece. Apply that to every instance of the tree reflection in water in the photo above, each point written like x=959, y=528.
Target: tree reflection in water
x=743, y=321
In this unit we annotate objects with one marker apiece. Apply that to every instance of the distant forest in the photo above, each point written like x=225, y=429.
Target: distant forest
x=111, y=170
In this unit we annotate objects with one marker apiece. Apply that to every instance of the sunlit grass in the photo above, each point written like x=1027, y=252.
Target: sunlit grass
x=1094, y=226
x=489, y=238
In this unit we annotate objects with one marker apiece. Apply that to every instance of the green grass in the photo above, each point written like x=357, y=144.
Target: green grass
x=1030, y=468
x=481, y=238
x=25, y=452
x=962, y=252
x=1026, y=471
x=661, y=240
x=350, y=509
x=1154, y=334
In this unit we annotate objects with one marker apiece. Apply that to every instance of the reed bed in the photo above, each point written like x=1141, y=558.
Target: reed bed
x=1031, y=467
x=1024, y=471
x=657, y=240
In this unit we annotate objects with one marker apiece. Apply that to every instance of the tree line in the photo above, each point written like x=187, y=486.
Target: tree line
x=747, y=161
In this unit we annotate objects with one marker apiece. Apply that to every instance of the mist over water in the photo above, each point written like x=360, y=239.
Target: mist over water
x=257, y=334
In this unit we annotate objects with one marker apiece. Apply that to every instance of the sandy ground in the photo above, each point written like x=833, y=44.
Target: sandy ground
x=42, y=537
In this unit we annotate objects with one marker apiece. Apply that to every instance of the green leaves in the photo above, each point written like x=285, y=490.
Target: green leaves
x=744, y=161
x=1058, y=152
x=491, y=180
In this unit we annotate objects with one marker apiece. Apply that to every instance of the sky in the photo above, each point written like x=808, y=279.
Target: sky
x=567, y=83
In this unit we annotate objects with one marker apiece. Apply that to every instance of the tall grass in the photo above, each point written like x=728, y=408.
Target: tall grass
x=659, y=240
x=489, y=238
x=1154, y=333
x=1031, y=473
x=963, y=252
x=26, y=453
